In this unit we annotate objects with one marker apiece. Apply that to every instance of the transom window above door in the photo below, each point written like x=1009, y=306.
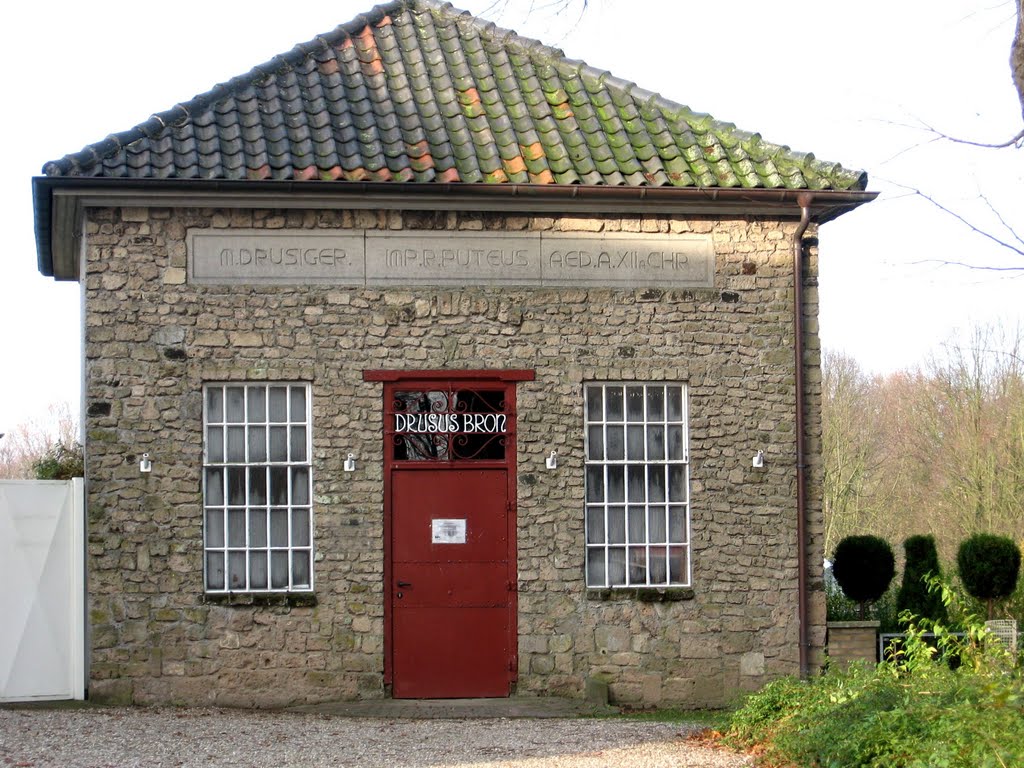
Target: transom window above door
x=456, y=423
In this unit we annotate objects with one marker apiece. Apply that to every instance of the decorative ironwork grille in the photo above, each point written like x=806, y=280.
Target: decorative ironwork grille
x=448, y=424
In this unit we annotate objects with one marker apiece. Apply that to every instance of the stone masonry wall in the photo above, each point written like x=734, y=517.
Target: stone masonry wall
x=153, y=339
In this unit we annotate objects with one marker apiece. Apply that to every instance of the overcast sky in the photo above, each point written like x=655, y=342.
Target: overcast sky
x=851, y=82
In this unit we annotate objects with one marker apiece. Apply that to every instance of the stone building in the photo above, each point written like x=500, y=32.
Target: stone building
x=423, y=361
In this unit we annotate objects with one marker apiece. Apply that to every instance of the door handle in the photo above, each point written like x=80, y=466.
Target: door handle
x=404, y=584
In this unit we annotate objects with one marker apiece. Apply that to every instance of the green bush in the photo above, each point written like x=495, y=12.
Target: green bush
x=989, y=566
x=864, y=567
x=839, y=607
x=915, y=711
x=922, y=560
x=60, y=462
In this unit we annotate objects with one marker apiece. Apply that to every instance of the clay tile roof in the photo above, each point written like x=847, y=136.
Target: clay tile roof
x=416, y=90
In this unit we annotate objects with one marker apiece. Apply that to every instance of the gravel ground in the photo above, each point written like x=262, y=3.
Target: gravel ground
x=120, y=738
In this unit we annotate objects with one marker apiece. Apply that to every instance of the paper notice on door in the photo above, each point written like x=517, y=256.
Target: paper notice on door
x=448, y=531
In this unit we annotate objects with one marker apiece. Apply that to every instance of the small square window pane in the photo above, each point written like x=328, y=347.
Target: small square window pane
x=675, y=444
x=279, y=404
x=595, y=483
x=279, y=443
x=635, y=443
x=279, y=527
x=656, y=529
x=616, y=566
x=215, y=570
x=595, y=443
x=297, y=445
x=656, y=483
x=636, y=483
x=278, y=570
x=659, y=567
x=634, y=403
x=595, y=404
x=257, y=527
x=616, y=484
x=279, y=486
x=675, y=403
x=617, y=525
x=677, y=483
x=300, y=527
x=678, y=565
x=616, y=443
x=655, y=442
x=236, y=486
x=257, y=444
x=257, y=570
x=214, y=528
x=236, y=444
x=677, y=525
x=637, y=525
x=638, y=565
x=214, y=404
x=214, y=487
x=236, y=570
x=655, y=403
x=300, y=485
x=595, y=567
x=215, y=444
x=613, y=403
x=300, y=569
x=236, y=528
x=298, y=403
x=235, y=404
x=257, y=486
x=595, y=525
x=256, y=408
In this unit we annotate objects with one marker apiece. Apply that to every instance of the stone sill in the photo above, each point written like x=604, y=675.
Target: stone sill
x=643, y=594
x=865, y=624
x=291, y=599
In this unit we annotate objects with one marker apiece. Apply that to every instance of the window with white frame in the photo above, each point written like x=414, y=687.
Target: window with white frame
x=257, y=488
x=637, y=485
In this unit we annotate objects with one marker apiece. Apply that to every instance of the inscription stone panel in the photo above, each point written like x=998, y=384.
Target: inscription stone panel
x=428, y=257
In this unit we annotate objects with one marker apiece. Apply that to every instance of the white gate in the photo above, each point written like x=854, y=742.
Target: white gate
x=42, y=590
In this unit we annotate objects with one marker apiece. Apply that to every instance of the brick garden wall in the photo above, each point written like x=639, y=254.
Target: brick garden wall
x=153, y=339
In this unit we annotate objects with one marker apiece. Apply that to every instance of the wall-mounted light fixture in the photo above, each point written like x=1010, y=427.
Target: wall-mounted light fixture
x=758, y=462
x=145, y=465
x=551, y=462
x=350, y=463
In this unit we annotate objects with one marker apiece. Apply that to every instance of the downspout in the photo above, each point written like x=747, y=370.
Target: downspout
x=804, y=201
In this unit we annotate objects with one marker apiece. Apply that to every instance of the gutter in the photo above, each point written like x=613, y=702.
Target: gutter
x=804, y=200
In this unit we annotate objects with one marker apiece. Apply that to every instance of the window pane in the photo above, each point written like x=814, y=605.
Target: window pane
x=257, y=486
x=637, y=523
x=236, y=444
x=595, y=443
x=656, y=483
x=659, y=568
x=300, y=569
x=236, y=528
x=613, y=405
x=279, y=527
x=617, y=525
x=279, y=443
x=616, y=484
x=655, y=403
x=298, y=443
x=656, y=525
x=616, y=566
x=236, y=486
x=595, y=404
x=677, y=525
x=677, y=565
x=279, y=404
x=300, y=528
x=257, y=444
x=258, y=570
x=634, y=403
x=278, y=570
x=256, y=408
x=215, y=444
x=214, y=528
x=675, y=444
x=214, y=487
x=595, y=483
x=655, y=442
x=635, y=443
x=257, y=527
x=637, y=481
x=214, y=404
x=298, y=411
x=279, y=486
x=214, y=570
x=675, y=404
x=595, y=525
x=595, y=567
x=616, y=449
x=677, y=482
x=637, y=565
x=235, y=404
x=300, y=485
x=236, y=570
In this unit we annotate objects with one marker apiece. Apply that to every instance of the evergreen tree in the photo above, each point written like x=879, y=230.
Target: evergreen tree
x=922, y=560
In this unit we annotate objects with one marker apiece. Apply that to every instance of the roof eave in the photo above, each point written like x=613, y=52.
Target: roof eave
x=59, y=202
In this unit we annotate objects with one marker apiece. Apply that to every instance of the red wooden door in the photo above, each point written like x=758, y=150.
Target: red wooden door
x=451, y=596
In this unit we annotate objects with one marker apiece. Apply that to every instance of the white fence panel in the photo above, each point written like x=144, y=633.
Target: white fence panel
x=42, y=590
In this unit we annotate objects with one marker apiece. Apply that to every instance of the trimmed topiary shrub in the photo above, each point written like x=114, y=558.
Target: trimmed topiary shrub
x=922, y=559
x=989, y=566
x=864, y=567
